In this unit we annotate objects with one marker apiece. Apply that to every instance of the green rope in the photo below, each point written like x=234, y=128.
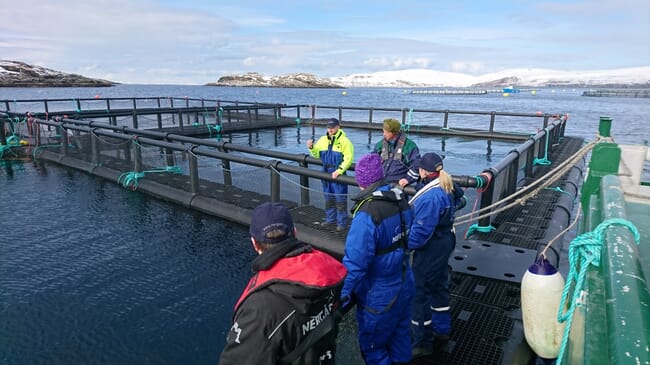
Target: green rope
x=543, y=161
x=560, y=190
x=130, y=179
x=407, y=126
x=298, y=123
x=479, y=181
x=583, y=251
x=217, y=128
x=4, y=148
x=476, y=228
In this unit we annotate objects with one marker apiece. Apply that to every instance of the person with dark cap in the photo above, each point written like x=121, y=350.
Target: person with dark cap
x=337, y=153
x=284, y=314
x=400, y=155
x=432, y=239
x=379, y=278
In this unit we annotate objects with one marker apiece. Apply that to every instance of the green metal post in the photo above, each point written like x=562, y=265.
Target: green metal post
x=605, y=127
x=605, y=159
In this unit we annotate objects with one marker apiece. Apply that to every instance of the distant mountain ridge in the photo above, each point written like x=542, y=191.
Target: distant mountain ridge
x=624, y=77
x=20, y=74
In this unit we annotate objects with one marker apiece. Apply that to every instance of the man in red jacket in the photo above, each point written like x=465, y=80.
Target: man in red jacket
x=284, y=314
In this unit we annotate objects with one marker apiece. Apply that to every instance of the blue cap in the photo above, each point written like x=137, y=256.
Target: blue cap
x=271, y=223
x=333, y=122
x=431, y=162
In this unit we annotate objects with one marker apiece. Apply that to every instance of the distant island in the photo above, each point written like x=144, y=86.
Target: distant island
x=20, y=74
x=295, y=80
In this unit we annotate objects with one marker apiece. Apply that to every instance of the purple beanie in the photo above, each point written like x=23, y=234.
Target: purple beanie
x=368, y=170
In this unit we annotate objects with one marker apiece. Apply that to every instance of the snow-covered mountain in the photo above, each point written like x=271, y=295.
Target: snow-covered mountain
x=531, y=77
x=16, y=73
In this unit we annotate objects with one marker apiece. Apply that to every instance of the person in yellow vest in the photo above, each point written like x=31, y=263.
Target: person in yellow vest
x=337, y=153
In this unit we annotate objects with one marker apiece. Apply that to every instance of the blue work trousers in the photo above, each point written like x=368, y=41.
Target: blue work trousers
x=431, y=303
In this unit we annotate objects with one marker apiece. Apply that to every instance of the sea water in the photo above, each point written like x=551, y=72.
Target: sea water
x=92, y=273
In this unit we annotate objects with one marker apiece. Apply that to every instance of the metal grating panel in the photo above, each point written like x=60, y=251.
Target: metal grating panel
x=480, y=320
x=514, y=217
x=531, y=232
x=466, y=350
x=487, y=291
x=510, y=240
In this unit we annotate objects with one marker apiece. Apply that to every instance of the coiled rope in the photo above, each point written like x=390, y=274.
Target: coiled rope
x=129, y=180
x=584, y=250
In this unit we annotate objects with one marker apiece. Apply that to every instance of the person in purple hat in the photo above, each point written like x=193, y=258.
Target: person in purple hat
x=379, y=278
x=433, y=239
x=293, y=283
x=337, y=153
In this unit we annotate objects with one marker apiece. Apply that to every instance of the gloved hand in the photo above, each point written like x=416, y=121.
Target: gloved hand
x=462, y=202
x=345, y=302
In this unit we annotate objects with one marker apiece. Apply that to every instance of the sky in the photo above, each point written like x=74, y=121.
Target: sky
x=196, y=42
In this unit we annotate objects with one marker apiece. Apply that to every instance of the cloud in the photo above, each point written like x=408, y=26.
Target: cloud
x=397, y=62
x=467, y=67
x=200, y=37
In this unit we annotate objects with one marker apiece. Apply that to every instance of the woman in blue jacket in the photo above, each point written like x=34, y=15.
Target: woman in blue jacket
x=433, y=239
x=379, y=276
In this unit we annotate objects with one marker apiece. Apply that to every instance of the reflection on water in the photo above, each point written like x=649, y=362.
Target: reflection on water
x=92, y=273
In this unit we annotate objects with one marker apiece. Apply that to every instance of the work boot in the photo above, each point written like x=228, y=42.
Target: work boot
x=418, y=352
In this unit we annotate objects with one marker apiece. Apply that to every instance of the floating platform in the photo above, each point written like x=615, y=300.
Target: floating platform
x=627, y=93
x=449, y=92
x=486, y=266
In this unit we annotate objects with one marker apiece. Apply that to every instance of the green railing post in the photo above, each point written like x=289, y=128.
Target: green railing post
x=605, y=159
x=605, y=127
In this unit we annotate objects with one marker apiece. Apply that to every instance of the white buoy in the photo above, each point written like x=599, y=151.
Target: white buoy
x=541, y=293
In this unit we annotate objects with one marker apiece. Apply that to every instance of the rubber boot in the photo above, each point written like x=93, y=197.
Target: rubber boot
x=422, y=340
x=341, y=215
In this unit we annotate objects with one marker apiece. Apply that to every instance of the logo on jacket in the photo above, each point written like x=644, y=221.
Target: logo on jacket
x=235, y=328
x=314, y=321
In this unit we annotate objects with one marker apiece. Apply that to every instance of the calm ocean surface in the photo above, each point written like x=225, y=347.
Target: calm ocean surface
x=91, y=273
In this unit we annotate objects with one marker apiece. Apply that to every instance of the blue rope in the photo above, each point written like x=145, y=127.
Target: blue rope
x=584, y=250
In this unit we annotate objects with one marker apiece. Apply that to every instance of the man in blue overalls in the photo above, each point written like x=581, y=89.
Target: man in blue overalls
x=337, y=153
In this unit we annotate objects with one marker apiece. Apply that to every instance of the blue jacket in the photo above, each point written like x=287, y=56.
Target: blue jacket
x=435, y=211
x=375, y=258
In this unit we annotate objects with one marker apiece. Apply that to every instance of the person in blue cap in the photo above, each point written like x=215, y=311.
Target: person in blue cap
x=337, y=153
x=379, y=278
x=432, y=239
x=285, y=314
